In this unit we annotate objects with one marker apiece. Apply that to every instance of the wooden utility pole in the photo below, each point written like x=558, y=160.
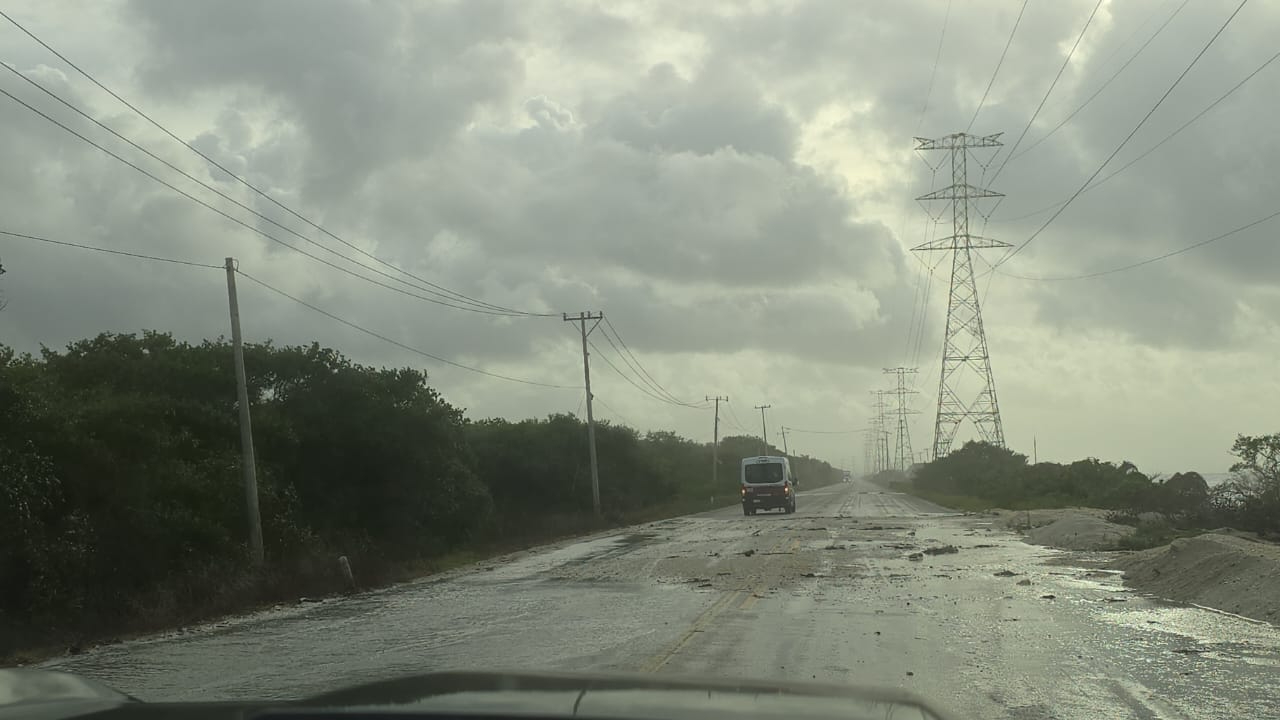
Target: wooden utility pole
x=764, y=428
x=582, y=318
x=248, y=465
x=715, y=443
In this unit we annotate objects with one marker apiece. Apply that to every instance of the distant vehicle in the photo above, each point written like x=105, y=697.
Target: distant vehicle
x=846, y=478
x=767, y=484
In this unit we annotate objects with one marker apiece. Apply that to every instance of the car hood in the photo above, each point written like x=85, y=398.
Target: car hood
x=45, y=695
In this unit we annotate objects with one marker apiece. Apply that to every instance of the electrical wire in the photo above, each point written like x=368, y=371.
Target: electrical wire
x=640, y=370
x=1103, y=86
x=933, y=74
x=736, y=422
x=1148, y=261
x=1048, y=92
x=1155, y=147
x=236, y=220
x=647, y=392
x=999, y=64
x=397, y=343
x=240, y=204
x=822, y=432
x=617, y=415
x=140, y=256
x=1128, y=137
x=266, y=196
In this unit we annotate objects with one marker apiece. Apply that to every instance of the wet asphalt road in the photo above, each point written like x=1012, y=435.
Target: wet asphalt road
x=827, y=594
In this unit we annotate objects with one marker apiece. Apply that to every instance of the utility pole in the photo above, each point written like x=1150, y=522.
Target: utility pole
x=248, y=464
x=785, y=451
x=715, y=443
x=964, y=345
x=868, y=468
x=764, y=428
x=582, y=318
x=904, y=456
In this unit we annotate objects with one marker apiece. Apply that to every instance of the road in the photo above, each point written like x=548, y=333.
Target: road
x=828, y=594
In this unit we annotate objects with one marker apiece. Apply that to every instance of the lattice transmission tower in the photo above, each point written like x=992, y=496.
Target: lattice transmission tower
x=879, y=426
x=964, y=344
x=903, y=456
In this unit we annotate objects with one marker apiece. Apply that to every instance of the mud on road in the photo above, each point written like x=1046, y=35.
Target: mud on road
x=860, y=585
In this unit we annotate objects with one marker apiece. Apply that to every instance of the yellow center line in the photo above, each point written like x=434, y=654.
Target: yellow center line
x=706, y=617
x=699, y=624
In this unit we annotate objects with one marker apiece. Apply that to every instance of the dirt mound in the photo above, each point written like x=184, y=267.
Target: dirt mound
x=1025, y=519
x=1079, y=531
x=1226, y=572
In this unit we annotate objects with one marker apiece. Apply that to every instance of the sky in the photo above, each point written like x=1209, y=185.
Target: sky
x=732, y=183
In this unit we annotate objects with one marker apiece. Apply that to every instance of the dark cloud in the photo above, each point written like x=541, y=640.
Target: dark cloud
x=726, y=180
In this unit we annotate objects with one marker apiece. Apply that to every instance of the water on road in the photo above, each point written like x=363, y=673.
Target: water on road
x=844, y=590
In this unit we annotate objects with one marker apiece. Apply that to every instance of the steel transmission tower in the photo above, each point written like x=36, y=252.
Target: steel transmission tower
x=964, y=345
x=903, y=456
x=882, y=457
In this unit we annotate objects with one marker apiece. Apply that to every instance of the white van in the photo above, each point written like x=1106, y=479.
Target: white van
x=767, y=484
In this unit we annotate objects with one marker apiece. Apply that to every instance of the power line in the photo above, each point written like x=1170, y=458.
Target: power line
x=140, y=256
x=1104, y=85
x=639, y=368
x=736, y=422
x=1148, y=261
x=999, y=64
x=1155, y=147
x=238, y=203
x=1133, y=132
x=615, y=413
x=1048, y=92
x=942, y=36
x=397, y=343
x=238, y=221
x=459, y=296
x=629, y=380
x=821, y=432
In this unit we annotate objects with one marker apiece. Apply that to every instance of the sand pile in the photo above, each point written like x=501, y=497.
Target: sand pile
x=1079, y=531
x=1222, y=571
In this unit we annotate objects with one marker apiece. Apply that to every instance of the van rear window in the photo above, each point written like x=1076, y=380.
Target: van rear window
x=763, y=473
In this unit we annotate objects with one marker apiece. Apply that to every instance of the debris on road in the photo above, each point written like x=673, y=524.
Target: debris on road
x=1004, y=573
x=748, y=553
x=942, y=550
x=1023, y=582
x=1050, y=596
x=916, y=556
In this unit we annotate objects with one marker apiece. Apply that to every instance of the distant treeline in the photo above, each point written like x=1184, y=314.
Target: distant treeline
x=121, y=501
x=981, y=475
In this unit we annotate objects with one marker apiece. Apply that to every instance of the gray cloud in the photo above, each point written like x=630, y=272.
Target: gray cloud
x=725, y=180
